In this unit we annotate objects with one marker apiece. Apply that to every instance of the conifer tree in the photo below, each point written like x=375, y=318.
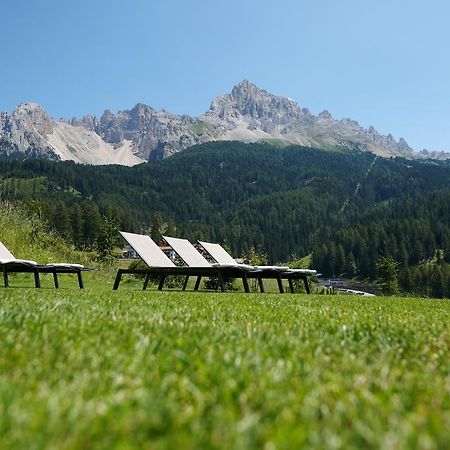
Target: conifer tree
x=405, y=280
x=437, y=283
x=350, y=265
x=171, y=229
x=107, y=240
x=339, y=264
x=155, y=230
x=387, y=272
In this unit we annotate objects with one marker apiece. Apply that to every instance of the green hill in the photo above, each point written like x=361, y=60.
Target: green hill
x=346, y=208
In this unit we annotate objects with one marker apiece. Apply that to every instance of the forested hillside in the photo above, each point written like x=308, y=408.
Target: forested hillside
x=347, y=208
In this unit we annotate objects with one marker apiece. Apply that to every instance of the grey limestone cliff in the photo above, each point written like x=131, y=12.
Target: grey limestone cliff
x=246, y=114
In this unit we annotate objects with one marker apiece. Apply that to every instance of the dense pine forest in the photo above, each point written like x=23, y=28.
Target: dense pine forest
x=345, y=208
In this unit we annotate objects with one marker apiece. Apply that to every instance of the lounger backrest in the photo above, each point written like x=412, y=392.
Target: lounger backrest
x=5, y=253
x=187, y=252
x=150, y=253
x=218, y=253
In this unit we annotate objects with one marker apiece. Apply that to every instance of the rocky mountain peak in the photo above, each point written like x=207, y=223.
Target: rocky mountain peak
x=29, y=109
x=32, y=114
x=247, y=113
x=325, y=115
x=245, y=90
x=257, y=107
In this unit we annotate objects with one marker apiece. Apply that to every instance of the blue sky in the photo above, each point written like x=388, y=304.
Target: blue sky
x=383, y=63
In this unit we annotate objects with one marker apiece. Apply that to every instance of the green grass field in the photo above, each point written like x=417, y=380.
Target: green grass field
x=132, y=369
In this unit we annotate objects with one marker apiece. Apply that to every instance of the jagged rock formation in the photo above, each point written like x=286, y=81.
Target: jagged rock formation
x=30, y=129
x=250, y=113
x=142, y=133
x=155, y=134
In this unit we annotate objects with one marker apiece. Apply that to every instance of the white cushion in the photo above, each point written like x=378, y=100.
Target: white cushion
x=20, y=261
x=75, y=266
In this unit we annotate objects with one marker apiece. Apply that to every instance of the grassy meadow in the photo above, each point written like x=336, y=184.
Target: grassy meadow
x=103, y=369
x=132, y=369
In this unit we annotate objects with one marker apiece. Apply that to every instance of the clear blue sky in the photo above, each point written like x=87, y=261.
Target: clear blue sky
x=383, y=63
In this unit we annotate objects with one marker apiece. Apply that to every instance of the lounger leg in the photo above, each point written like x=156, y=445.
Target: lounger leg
x=245, y=282
x=55, y=280
x=37, y=279
x=308, y=289
x=147, y=279
x=161, y=282
x=197, y=283
x=280, y=284
x=117, y=280
x=185, y=283
x=261, y=284
x=5, y=276
x=291, y=285
x=80, y=280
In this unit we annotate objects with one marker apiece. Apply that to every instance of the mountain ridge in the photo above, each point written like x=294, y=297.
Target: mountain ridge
x=142, y=133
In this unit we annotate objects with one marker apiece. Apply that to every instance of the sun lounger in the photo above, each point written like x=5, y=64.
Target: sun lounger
x=221, y=256
x=189, y=254
x=192, y=258
x=10, y=264
x=162, y=266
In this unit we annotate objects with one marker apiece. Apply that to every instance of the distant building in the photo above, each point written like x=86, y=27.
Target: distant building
x=169, y=252
x=129, y=253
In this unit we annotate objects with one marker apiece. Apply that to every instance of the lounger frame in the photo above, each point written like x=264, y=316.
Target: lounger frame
x=163, y=272
x=36, y=270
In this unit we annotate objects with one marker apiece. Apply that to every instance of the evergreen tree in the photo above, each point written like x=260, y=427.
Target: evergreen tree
x=447, y=253
x=405, y=280
x=256, y=257
x=107, y=240
x=437, y=283
x=350, y=265
x=418, y=253
x=339, y=264
x=387, y=271
x=318, y=257
x=77, y=225
x=330, y=258
x=171, y=228
x=92, y=223
x=61, y=220
x=155, y=230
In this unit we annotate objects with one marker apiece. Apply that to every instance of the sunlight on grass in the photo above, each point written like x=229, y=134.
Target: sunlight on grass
x=133, y=369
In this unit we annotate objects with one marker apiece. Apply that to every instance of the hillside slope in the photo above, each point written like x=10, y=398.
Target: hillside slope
x=286, y=201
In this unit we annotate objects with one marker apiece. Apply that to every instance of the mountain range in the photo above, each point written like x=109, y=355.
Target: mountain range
x=129, y=137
